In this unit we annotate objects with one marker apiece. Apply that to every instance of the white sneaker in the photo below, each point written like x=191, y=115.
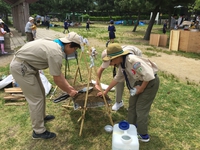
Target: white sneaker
x=117, y=106
x=4, y=53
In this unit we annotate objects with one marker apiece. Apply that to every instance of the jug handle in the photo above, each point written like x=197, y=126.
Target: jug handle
x=126, y=140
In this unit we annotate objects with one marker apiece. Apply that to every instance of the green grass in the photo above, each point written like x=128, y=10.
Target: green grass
x=174, y=119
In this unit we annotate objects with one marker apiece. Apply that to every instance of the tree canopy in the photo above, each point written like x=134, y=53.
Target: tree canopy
x=110, y=7
x=4, y=10
x=44, y=7
x=197, y=5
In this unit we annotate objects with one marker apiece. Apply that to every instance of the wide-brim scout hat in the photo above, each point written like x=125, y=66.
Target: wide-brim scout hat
x=71, y=37
x=114, y=50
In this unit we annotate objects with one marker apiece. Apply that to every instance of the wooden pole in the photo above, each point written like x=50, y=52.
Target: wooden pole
x=106, y=104
x=77, y=68
x=85, y=104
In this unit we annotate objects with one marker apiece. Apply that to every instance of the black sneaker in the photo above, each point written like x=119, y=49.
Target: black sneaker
x=49, y=118
x=45, y=135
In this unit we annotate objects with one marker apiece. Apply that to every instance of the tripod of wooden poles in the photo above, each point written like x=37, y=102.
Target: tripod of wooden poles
x=83, y=110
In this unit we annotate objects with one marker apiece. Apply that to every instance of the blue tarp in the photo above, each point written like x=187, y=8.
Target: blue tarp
x=121, y=22
x=141, y=23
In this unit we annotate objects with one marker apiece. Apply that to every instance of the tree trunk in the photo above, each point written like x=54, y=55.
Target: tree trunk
x=151, y=23
x=137, y=22
x=6, y=17
x=73, y=17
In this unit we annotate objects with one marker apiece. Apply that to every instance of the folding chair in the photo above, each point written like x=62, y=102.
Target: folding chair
x=69, y=57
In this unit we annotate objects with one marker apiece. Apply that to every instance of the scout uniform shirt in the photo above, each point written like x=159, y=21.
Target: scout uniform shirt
x=137, y=68
x=42, y=54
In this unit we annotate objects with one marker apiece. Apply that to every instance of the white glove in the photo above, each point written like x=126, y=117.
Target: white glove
x=133, y=91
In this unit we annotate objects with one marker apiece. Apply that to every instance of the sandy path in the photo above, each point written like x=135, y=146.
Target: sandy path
x=186, y=69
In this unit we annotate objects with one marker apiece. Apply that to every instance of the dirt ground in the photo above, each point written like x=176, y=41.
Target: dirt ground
x=186, y=69
x=5, y=59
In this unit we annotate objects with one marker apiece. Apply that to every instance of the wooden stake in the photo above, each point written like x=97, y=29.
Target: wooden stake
x=14, y=104
x=85, y=104
x=106, y=104
x=78, y=68
x=13, y=89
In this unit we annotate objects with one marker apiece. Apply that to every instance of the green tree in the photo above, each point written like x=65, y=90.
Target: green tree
x=106, y=6
x=197, y=5
x=75, y=6
x=42, y=7
x=61, y=7
x=5, y=9
x=133, y=7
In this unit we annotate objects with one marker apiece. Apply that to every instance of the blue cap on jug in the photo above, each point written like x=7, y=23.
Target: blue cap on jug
x=124, y=125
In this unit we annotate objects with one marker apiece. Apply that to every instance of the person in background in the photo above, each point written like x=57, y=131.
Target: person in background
x=180, y=20
x=197, y=25
x=120, y=86
x=165, y=27
x=142, y=81
x=2, y=33
x=66, y=25
x=34, y=30
x=42, y=20
x=38, y=21
x=6, y=28
x=88, y=25
x=112, y=30
x=28, y=61
x=173, y=23
x=47, y=22
x=192, y=26
x=28, y=29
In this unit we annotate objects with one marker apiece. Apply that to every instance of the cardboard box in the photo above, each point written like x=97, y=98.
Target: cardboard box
x=154, y=39
x=158, y=40
x=174, y=40
x=186, y=41
x=163, y=40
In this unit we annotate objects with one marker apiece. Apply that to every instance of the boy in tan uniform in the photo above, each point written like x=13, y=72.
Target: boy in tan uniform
x=38, y=55
x=119, y=88
x=142, y=81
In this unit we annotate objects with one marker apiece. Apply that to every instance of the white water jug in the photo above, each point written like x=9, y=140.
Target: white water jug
x=125, y=139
